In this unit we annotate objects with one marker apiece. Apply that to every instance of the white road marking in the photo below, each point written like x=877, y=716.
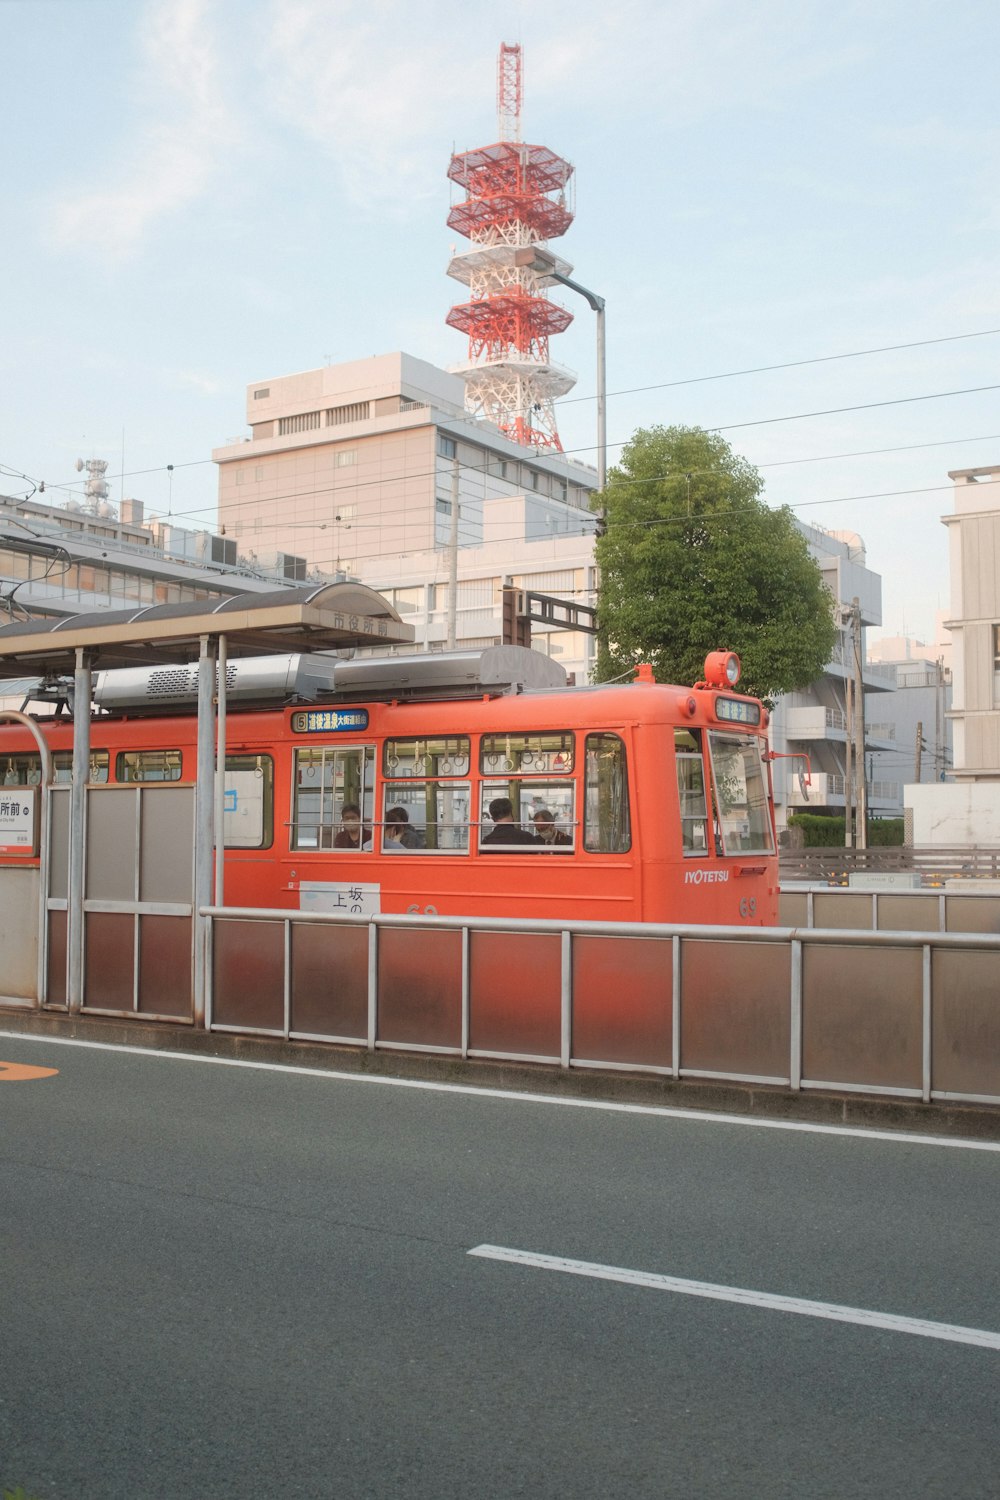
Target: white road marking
x=951, y=1333
x=663, y=1111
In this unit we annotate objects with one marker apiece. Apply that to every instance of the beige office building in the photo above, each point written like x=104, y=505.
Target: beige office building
x=353, y=469
x=974, y=533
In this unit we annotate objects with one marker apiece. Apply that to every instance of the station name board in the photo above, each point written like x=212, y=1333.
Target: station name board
x=329, y=720
x=17, y=820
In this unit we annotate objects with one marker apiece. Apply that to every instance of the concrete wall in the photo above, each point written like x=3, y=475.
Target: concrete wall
x=954, y=813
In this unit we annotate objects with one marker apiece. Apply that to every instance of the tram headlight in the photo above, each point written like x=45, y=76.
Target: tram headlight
x=722, y=669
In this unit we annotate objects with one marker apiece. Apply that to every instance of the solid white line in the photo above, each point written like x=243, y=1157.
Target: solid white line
x=950, y=1332
x=663, y=1111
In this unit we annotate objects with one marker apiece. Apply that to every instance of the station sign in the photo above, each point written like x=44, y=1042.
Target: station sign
x=18, y=820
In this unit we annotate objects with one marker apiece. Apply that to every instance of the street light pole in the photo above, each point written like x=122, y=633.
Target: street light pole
x=534, y=258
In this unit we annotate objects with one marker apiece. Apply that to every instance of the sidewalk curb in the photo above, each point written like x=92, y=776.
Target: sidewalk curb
x=971, y=1121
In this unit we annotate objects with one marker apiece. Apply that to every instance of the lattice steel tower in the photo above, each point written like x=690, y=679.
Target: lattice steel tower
x=516, y=196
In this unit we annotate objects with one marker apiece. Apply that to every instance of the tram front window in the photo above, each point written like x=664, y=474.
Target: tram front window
x=691, y=792
x=741, y=794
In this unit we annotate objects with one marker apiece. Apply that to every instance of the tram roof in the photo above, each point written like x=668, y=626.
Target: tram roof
x=325, y=617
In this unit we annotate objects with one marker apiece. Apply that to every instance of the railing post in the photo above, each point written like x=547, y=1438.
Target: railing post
x=566, y=999
x=926, y=1023
x=675, y=997
x=795, y=1017
x=372, y=985
x=287, y=975
x=465, y=992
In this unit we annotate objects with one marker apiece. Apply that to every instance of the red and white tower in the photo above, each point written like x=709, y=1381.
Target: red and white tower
x=516, y=197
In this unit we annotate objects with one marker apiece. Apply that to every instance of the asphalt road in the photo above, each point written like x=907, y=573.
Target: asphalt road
x=226, y=1281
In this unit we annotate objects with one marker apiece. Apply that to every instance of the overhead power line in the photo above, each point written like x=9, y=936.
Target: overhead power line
x=792, y=364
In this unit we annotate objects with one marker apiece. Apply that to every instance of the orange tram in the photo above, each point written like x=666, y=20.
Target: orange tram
x=460, y=784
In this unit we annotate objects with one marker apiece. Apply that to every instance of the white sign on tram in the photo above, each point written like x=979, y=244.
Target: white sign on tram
x=17, y=820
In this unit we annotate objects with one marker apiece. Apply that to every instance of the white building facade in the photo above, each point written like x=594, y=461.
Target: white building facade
x=816, y=721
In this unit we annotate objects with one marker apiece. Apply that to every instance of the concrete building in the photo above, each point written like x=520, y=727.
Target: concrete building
x=967, y=811
x=974, y=538
x=815, y=721
x=69, y=559
x=352, y=469
x=914, y=716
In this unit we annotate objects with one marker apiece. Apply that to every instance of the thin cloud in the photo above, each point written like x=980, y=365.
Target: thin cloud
x=188, y=134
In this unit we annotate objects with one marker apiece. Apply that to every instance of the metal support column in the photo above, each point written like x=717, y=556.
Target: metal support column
x=203, y=821
x=220, y=778
x=75, y=935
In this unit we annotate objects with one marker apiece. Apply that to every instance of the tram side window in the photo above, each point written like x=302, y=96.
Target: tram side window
x=691, y=792
x=62, y=765
x=148, y=765
x=607, y=827
x=248, y=820
x=532, y=773
x=425, y=806
x=741, y=794
x=22, y=770
x=333, y=798
x=543, y=809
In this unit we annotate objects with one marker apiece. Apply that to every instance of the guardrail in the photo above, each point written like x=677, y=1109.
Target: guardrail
x=908, y=1014
x=889, y=911
x=935, y=865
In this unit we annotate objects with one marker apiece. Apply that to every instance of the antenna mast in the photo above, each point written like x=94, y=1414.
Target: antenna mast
x=516, y=198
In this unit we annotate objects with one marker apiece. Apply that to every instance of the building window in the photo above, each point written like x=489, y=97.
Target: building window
x=265, y=390
x=240, y=476
x=346, y=458
x=996, y=665
x=447, y=447
x=356, y=411
x=306, y=421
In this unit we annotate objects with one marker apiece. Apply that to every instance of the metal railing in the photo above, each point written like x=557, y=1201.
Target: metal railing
x=934, y=865
x=908, y=1014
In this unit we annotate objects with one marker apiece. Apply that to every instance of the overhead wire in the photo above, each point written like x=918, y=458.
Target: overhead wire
x=72, y=486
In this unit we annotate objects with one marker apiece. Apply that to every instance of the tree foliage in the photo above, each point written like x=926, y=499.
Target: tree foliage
x=692, y=560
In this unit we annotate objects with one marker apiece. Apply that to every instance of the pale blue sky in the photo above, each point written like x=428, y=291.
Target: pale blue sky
x=204, y=193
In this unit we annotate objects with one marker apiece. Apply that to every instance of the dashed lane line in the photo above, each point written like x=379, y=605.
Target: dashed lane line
x=832, y=1312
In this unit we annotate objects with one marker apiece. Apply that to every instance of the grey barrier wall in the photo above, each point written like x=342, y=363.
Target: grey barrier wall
x=890, y=911
x=19, y=934
x=914, y=1014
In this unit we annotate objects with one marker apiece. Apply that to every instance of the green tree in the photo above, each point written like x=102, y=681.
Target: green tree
x=692, y=560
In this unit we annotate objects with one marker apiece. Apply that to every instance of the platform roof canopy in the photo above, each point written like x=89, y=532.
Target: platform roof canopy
x=326, y=617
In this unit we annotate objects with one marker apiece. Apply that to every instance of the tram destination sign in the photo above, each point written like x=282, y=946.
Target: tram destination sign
x=329, y=720
x=17, y=820
x=737, y=710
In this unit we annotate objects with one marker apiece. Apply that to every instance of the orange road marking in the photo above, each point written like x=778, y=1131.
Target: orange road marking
x=13, y=1072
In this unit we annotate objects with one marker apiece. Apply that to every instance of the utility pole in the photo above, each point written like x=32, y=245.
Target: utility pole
x=848, y=779
x=917, y=749
x=861, y=804
x=453, y=557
